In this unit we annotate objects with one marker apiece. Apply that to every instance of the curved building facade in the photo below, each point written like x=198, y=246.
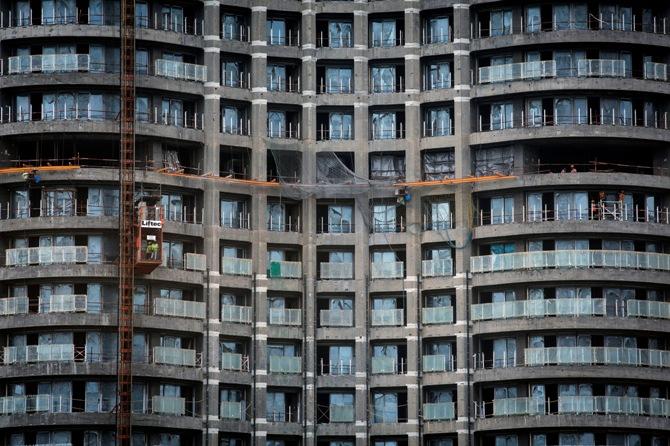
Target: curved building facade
x=386, y=223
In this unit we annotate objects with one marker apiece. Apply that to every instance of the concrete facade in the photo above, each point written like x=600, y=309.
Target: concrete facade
x=425, y=356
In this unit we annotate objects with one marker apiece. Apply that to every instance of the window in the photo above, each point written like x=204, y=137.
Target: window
x=276, y=77
x=338, y=80
x=502, y=116
x=437, y=30
x=340, y=218
x=20, y=204
x=570, y=16
x=504, y=352
x=437, y=76
x=276, y=32
x=533, y=19
x=502, y=210
x=340, y=34
x=276, y=124
x=440, y=215
x=173, y=205
x=384, y=217
x=233, y=74
x=233, y=27
x=438, y=122
x=570, y=111
x=501, y=22
x=58, y=202
x=383, y=33
x=385, y=407
x=102, y=201
x=567, y=62
x=384, y=125
x=341, y=358
x=383, y=79
x=387, y=166
x=571, y=205
x=234, y=213
x=173, y=254
x=340, y=125
x=438, y=165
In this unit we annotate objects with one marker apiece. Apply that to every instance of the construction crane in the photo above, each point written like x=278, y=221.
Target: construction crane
x=126, y=224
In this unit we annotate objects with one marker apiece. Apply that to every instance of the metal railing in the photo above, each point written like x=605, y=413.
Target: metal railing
x=336, y=318
x=232, y=410
x=378, y=133
x=332, y=270
x=439, y=411
x=291, y=38
x=175, y=356
x=538, y=308
x=179, y=308
x=340, y=414
x=285, y=316
x=10, y=306
x=437, y=128
x=234, y=361
x=180, y=70
x=290, y=414
x=343, y=85
x=236, y=313
x=38, y=353
x=437, y=363
x=285, y=364
x=387, y=270
x=63, y=303
x=168, y=405
x=344, y=40
x=596, y=356
x=336, y=368
x=388, y=365
x=283, y=224
x=437, y=315
x=284, y=269
x=387, y=317
x=578, y=258
x=235, y=266
x=46, y=255
x=517, y=71
x=437, y=268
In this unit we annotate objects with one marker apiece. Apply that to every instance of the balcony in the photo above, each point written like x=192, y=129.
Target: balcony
x=571, y=259
x=341, y=414
x=437, y=315
x=168, y=405
x=234, y=361
x=648, y=309
x=284, y=269
x=180, y=70
x=232, y=410
x=10, y=306
x=44, y=403
x=175, y=356
x=518, y=406
x=655, y=71
x=538, y=308
x=614, y=405
x=46, y=255
x=285, y=316
x=596, y=356
x=235, y=266
x=179, y=308
x=38, y=353
x=439, y=411
x=51, y=63
x=387, y=270
x=385, y=365
x=336, y=318
x=438, y=363
x=517, y=71
x=437, y=268
x=236, y=313
x=387, y=317
x=285, y=364
x=336, y=271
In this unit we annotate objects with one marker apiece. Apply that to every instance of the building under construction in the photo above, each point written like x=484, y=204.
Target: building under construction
x=334, y=223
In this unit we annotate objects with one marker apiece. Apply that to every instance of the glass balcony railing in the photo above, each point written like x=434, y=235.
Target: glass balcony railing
x=175, y=356
x=285, y=316
x=285, y=364
x=437, y=268
x=11, y=405
x=179, y=308
x=438, y=363
x=596, y=356
x=336, y=318
x=63, y=303
x=330, y=270
x=235, y=266
x=341, y=414
x=519, y=406
x=38, y=353
x=236, y=313
x=387, y=317
x=181, y=70
x=517, y=71
x=387, y=270
x=602, y=68
x=231, y=410
x=234, y=361
x=648, y=309
x=614, y=405
x=46, y=255
x=51, y=63
x=387, y=365
x=10, y=306
x=538, y=308
x=439, y=411
x=285, y=269
x=168, y=405
x=437, y=315
x=578, y=258
x=656, y=71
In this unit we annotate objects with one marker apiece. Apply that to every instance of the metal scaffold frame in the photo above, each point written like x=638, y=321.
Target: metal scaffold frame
x=126, y=223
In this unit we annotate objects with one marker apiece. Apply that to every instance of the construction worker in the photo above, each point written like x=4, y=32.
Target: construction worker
x=152, y=249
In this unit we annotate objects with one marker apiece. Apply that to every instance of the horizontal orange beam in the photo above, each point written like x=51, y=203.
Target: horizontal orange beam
x=464, y=180
x=9, y=170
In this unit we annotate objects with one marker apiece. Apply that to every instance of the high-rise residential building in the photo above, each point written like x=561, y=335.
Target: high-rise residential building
x=384, y=223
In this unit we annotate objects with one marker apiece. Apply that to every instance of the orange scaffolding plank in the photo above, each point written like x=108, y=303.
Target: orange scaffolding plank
x=10, y=170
